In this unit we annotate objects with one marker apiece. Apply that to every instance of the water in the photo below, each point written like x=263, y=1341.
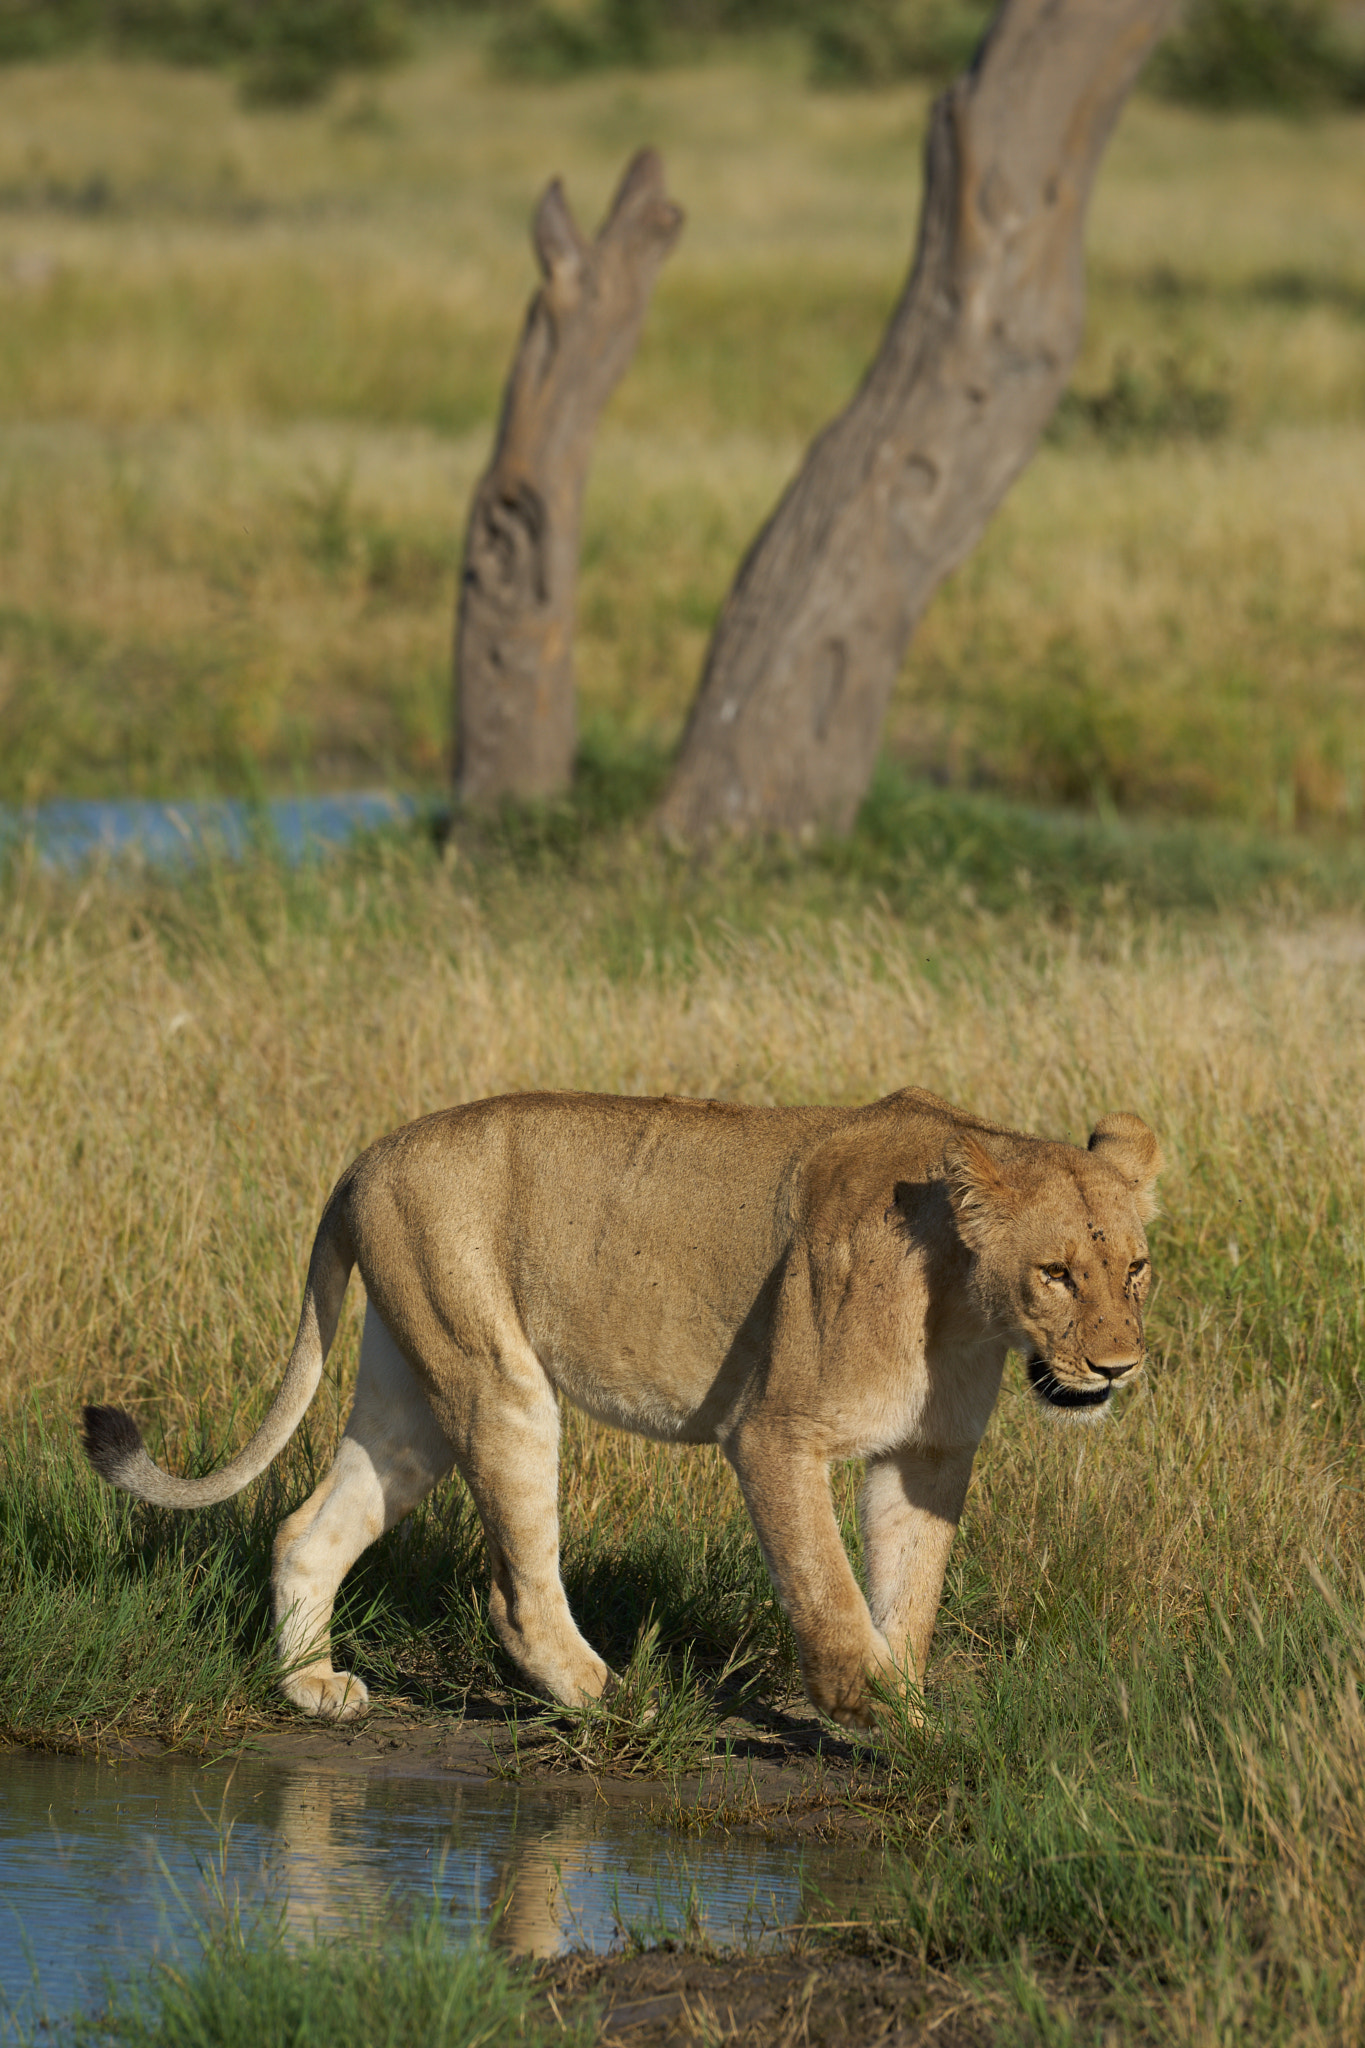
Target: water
x=67, y=833
x=104, y=1866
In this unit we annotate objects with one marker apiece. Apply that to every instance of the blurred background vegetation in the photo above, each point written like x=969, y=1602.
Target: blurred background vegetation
x=1278, y=53
x=261, y=272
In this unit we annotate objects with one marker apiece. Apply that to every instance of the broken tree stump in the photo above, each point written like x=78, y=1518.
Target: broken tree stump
x=514, y=689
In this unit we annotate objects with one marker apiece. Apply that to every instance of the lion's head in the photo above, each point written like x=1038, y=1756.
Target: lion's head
x=1059, y=1256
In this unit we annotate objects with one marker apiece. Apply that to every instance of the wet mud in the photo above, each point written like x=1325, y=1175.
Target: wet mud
x=788, y=1773
x=667, y=1998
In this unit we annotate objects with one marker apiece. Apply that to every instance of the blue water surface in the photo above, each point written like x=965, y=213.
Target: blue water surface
x=106, y=1867
x=73, y=830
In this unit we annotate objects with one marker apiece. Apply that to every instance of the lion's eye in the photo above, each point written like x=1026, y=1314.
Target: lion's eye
x=1054, y=1272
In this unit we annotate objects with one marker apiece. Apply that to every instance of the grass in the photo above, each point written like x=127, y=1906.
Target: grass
x=1112, y=859
x=246, y=1989
x=116, y=1619
x=1177, y=1816
x=251, y=361
x=654, y=1723
x=1139, y=1748
x=185, y=1067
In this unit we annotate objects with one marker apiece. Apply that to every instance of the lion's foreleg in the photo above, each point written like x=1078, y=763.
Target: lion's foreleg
x=787, y=1493
x=910, y=1507
x=390, y=1457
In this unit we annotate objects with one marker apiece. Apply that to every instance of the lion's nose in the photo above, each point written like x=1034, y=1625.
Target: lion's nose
x=1114, y=1368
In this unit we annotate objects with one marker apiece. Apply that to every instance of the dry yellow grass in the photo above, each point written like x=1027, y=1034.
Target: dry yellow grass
x=249, y=364
x=1178, y=630
x=175, y=1103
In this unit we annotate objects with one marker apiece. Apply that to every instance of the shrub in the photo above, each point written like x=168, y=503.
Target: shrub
x=874, y=42
x=548, y=42
x=540, y=40
x=1144, y=404
x=1288, y=54
x=288, y=51
x=853, y=42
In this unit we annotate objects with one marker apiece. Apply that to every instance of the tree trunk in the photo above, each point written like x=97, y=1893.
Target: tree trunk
x=514, y=708
x=896, y=491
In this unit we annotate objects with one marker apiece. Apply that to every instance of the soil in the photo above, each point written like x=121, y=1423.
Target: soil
x=780, y=1772
x=809, y=1997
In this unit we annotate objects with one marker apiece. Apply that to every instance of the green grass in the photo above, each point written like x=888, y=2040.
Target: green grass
x=657, y=1722
x=1183, y=1822
x=247, y=1990
x=115, y=1619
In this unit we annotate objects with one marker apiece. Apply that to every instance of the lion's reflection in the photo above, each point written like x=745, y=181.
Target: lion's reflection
x=331, y=1866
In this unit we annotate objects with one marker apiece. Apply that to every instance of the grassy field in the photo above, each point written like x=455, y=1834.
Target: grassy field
x=248, y=364
x=1145, y=1748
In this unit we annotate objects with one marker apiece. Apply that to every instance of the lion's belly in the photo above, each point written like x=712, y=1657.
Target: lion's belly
x=654, y=1354
x=645, y=1409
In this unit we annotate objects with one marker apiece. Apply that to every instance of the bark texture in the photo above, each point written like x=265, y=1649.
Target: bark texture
x=896, y=491
x=514, y=692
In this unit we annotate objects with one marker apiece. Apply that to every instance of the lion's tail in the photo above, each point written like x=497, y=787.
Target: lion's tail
x=113, y=1441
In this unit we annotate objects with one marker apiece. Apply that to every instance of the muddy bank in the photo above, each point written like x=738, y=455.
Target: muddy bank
x=785, y=1773
x=811, y=1996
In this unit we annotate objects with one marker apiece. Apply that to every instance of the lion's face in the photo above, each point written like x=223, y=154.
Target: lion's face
x=1060, y=1254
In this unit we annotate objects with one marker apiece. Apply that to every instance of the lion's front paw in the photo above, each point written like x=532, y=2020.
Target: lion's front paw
x=858, y=1716
x=874, y=1698
x=330, y=1695
x=882, y=1707
x=842, y=1697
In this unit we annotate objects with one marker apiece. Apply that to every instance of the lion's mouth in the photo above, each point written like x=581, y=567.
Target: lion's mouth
x=1057, y=1393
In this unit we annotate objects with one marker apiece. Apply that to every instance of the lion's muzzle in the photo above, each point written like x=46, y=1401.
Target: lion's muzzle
x=1060, y=1391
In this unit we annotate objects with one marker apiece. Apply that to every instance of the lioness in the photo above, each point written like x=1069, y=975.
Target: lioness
x=796, y=1285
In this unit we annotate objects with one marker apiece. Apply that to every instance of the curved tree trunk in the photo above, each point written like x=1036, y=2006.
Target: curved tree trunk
x=514, y=709
x=896, y=491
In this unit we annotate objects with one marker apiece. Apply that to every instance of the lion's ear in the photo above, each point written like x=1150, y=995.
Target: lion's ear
x=978, y=1190
x=1127, y=1144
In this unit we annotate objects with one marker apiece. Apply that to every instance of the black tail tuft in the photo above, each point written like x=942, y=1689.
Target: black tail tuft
x=111, y=1438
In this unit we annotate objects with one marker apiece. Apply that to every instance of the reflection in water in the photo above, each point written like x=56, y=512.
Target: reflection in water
x=105, y=1866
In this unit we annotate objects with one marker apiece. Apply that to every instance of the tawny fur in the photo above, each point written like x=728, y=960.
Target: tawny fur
x=796, y=1285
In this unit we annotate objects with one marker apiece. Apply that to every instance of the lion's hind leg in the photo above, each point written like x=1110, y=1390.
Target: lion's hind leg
x=392, y=1454
x=509, y=1459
